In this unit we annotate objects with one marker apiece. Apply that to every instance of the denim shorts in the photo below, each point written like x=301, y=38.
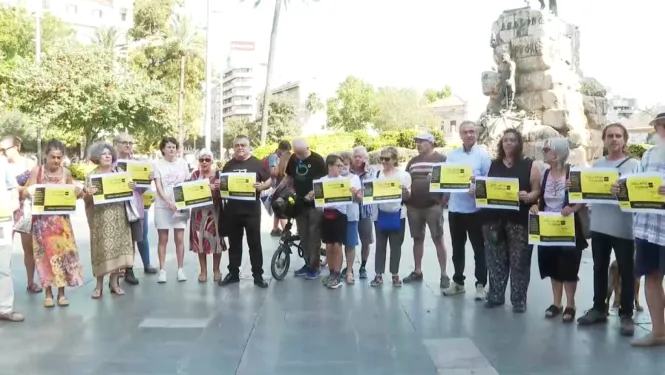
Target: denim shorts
x=649, y=258
x=352, y=239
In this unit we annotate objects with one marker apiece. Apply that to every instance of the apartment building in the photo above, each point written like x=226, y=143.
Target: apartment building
x=242, y=82
x=86, y=16
x=299, y=93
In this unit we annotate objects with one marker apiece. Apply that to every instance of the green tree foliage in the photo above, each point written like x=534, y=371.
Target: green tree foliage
x=313, y=104
x=354, y=107
x=282, y=123
x=152, y=18
x=402, y=108
x=434, y=95
x=81, y=93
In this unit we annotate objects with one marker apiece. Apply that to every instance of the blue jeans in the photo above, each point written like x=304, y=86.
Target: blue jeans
x=144, y=245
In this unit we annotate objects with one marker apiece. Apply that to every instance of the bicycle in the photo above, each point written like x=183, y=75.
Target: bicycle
x=281, y=259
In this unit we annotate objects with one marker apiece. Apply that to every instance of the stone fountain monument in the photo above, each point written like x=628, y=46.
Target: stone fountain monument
x=537, y=85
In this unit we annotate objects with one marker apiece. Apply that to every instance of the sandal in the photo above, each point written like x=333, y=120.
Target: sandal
x=117, y=291
x=203, y=278
x=96, y=294
x=12, y=317
x=349, y=278
x=568, y=315
x=378, y=281
x=397, y=283
x=63, y=301
x=48, y=302
x=34, y=288
x=552, y=311
x=217, y=277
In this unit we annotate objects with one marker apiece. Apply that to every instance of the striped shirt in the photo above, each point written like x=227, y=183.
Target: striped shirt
x=651, y=227
x=420, y=169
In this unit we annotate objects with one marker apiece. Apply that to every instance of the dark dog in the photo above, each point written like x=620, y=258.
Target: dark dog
x=614, y=287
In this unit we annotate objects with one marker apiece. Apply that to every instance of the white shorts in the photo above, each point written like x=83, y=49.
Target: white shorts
x=165, y=219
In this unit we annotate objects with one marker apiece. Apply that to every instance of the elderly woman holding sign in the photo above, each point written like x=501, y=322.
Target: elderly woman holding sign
x=203, y=238
x=559, y=263
x=111, y=245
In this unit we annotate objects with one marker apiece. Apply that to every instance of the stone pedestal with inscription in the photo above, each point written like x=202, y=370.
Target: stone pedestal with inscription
x=548, y=102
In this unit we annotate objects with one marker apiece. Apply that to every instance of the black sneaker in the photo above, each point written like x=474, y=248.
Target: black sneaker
x=553, y=311
x=130, y=278
x=362, y=273
x=492, y=304
x=627, y=326
x=150, y=270
x=229, y=279
x=591, y=317
x=413, y=277
x=343, y=273
x=260, y=282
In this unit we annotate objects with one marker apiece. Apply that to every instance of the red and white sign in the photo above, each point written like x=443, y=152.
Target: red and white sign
x=242, y=46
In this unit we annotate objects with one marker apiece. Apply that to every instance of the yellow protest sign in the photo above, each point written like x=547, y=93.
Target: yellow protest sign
x=149, y=198
x=638, y=192
x=111, y=187
x=237, y=185
x=551, y=229
x=382, y=190
x=498, y=193
x=54, y=199
x=450, y=178
x=192, y=194
x=332, y=192
x=139, y=170
x=592, y=185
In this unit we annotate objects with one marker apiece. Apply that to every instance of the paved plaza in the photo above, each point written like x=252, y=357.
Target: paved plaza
x=298, y=327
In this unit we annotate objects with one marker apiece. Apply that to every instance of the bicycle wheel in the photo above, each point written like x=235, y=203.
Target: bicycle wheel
x=279, y=265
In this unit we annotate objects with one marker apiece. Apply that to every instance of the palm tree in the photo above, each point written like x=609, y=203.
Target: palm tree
x=187, y=41
x=271, y=55
x=107, y=38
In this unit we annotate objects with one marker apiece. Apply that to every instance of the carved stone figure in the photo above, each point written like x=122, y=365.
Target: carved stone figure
x=507, y=70
x=552, y=6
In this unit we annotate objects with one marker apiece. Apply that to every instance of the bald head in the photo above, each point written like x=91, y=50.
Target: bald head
x=301, y=148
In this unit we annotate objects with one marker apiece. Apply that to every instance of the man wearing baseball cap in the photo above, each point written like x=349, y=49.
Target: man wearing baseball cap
x=425, y=209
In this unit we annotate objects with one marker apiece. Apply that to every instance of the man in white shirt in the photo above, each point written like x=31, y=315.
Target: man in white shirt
x=9, y=194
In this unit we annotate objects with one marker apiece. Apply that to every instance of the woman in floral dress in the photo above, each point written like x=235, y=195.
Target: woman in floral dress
x=111, y=246
x=54, y=245
x=203, y=238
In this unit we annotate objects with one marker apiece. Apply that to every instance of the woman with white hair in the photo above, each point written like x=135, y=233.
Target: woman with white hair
x=560, y=264
x=111, y=246
x=203, y=238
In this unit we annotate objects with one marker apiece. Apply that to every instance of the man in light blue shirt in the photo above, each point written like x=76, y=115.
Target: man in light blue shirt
x=463, y=216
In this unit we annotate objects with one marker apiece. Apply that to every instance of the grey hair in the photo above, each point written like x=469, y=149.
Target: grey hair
x=346, y=156
x=97, y=149
x=561, y=149
x=361, y=150
x=205, y=152
x=120, y=137
x=467, y=122
x=299, y=143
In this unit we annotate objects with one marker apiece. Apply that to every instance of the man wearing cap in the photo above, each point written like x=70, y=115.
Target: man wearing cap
x=463, y=216
x=649, y=230
x=303, y=168
x=425, y=209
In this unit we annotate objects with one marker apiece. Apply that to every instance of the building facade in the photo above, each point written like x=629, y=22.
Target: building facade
x=620, y=108
x=242, y=81
x=300, y=94
x=86, y=16
x=451, y=111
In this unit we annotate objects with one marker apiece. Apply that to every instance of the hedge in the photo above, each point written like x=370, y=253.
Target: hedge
x=638, y=149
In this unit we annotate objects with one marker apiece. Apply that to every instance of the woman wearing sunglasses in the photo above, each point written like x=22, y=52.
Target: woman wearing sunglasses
x=203, y=238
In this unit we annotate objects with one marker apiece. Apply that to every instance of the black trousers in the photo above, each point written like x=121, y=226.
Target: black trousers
x=236, y=228
x=460, y=225
x=624, y=251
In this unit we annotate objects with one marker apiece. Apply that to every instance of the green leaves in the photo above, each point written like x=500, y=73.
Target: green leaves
x=354, y=107
x=434, y=95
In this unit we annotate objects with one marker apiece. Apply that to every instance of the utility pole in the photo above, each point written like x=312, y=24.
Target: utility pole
x=207, y=123
x=38, y=58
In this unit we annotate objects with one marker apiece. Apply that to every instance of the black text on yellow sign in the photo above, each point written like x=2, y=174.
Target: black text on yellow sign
x=551, y=229
x=450, y=178
x=639, y=193
x=149, y=198
x=237, y=185
x=54, y=200
x=112, y=187
x=497, y=193
x=192, y=194
x=382, y=191
x=592, y=185
x=333, y=192
x=139, y=170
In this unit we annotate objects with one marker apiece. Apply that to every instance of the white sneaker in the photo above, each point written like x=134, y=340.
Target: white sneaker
x=181, y=275
x=162, y=277
x=481, y=294
x=454, y=289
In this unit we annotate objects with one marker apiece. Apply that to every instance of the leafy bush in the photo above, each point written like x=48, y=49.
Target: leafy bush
x=80, y=170
x=638, y=149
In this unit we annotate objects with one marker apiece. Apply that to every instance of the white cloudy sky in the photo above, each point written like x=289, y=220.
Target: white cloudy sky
x=430, y=43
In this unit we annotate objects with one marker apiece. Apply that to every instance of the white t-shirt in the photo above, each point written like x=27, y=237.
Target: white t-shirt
x=405, y=179
x=355, y=182
x=170, y=174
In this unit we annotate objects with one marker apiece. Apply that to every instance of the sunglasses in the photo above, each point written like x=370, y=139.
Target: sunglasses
x=383, y=158
x=205, y=160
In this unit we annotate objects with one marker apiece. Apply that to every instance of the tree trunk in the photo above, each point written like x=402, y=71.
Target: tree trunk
x=181, y=99
x=271, y=55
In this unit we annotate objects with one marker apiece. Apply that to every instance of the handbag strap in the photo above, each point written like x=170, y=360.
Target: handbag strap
x=623, y=162
x=39, y=174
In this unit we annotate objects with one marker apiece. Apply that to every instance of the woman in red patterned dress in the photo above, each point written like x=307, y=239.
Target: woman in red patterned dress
x=203, y=238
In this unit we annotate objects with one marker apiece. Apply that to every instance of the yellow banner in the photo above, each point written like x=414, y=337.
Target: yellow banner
x=498, y=193
x=450, y=178
x=592, y=185
x=638, y=192
x=382, y=191
x=112, y=187
x=54, y=200
x=551, y=229
x=192, y=194
x=139, y=170
x=237, y=185
x=149, y=198
x=331, y=193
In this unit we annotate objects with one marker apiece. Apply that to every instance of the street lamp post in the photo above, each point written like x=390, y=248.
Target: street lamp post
x=38, y=58
x=207, y=123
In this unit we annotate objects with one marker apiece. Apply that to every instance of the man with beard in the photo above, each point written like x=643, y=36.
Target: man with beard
x=649, y=230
